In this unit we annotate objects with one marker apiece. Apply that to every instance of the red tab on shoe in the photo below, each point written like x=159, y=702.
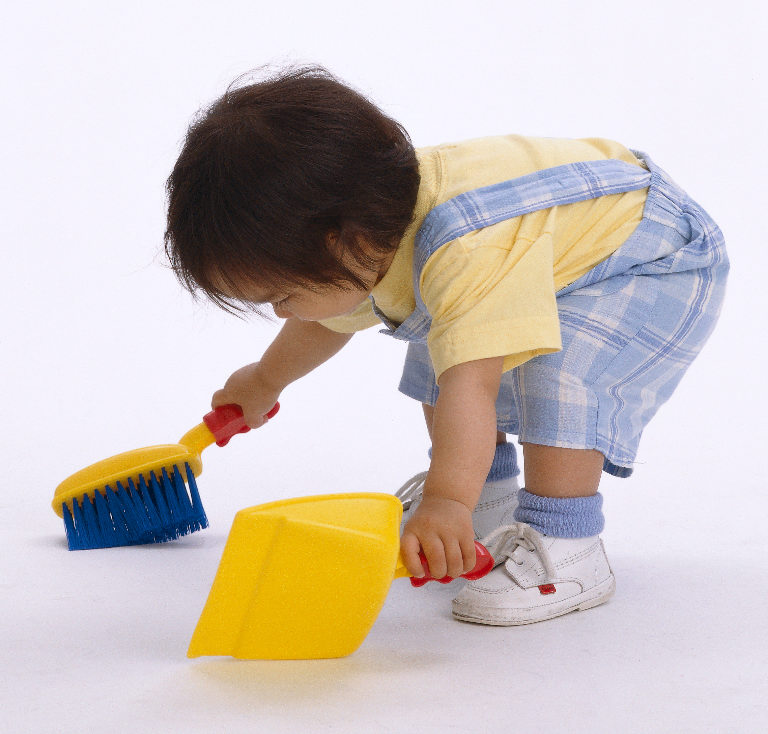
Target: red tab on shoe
x=547, y=589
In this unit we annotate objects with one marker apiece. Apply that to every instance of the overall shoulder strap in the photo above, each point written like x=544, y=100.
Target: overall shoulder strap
x=482, y=207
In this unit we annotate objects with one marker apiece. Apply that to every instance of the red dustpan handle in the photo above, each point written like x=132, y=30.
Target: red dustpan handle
x=227, y=421
x=483, y=566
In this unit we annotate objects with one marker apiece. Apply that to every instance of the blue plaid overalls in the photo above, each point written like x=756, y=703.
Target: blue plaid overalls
x=627, y=340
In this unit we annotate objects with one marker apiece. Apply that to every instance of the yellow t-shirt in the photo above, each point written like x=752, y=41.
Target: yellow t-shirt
x=492, y=292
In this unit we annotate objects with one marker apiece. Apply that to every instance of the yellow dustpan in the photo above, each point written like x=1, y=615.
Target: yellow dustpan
x=305, y=578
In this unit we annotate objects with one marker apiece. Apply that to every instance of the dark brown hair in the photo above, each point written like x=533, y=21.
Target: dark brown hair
x=272, y=168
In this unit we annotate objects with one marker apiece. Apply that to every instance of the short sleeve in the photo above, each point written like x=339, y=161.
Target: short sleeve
x=487, y=300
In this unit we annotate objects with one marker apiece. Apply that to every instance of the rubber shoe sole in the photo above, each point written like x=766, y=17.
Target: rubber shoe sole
x=528, y=615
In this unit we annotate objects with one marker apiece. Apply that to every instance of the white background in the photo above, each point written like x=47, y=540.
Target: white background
x=102, y=351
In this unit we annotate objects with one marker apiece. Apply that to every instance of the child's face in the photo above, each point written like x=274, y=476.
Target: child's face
x=293, y=301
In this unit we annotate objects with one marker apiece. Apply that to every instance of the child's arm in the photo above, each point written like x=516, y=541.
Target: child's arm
x=463, y=444
x=299, y=347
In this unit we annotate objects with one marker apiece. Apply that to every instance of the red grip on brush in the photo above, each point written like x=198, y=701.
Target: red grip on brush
x=483, y=565
x=227, y=420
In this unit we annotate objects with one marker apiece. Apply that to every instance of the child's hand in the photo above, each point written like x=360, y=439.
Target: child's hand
x=442, y=528
x=249, y=388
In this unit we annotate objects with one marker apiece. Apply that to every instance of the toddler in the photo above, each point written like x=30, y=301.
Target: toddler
x=554, y=289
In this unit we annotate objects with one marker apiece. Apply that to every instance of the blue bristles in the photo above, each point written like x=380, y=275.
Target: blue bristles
x=154, y=511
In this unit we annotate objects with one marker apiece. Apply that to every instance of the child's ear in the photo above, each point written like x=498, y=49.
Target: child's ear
x=355, y=239
x=355, y=253
x=333, y=244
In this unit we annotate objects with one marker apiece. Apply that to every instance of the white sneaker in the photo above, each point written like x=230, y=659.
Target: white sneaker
x=495, y=507
x=539, y=578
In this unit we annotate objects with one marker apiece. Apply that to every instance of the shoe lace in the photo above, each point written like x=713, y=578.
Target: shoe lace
x=505, y=540
x=411, y=490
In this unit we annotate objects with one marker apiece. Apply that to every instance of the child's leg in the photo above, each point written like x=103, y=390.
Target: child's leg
x=560, y=498
x=551, y=471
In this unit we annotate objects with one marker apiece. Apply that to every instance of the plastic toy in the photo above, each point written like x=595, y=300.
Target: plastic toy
x=306, y=578
x=146, y=495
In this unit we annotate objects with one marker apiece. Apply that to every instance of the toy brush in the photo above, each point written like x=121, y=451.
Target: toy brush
x=146, y=495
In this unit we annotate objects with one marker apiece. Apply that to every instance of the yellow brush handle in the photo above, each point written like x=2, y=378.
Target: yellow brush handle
x=197, y=439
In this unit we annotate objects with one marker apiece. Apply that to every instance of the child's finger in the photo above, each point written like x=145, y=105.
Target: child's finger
x=219, y=398
x=435, y=553
x=454, y=559
x=469, y=554
x=255, y=420
x=409, y=550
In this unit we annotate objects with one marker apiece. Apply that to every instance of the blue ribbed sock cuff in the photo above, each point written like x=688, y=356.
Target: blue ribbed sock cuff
x=504, y=464
x=568, y=517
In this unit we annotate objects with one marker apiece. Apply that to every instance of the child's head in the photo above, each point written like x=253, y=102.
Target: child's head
x=279, y=176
